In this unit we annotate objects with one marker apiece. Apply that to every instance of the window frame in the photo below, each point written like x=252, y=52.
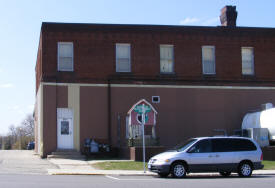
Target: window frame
x=214, y=61
x=173, y=58
x=194, y=146
x=130, y=64
x=252, y=63
x=158, y=101
x=58, y=53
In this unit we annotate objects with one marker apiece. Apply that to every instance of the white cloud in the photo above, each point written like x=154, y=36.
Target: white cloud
x=200, y=21
x=8, y=85
x=211, y=21
x=16, y=107
x=189, y=21
x=30, y=107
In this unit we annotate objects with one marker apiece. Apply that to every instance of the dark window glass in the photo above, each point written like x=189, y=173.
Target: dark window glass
x=222, y=145
x=203, y=146
x=64, y=127
x=185, y=145
x=243, y=145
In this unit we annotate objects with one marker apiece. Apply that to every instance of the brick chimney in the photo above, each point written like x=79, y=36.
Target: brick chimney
x=228, y=16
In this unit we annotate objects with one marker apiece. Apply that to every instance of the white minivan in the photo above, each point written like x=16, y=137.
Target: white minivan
x=209, y=154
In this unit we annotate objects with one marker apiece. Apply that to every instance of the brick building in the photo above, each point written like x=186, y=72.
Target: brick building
x=197, y=78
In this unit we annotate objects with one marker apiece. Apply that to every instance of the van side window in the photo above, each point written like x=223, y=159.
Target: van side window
x=243, y=145
x=203, y=146
x=222, y=145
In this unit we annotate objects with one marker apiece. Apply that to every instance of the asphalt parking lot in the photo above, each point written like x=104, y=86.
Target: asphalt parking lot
x=195, y=181
x=70, y=181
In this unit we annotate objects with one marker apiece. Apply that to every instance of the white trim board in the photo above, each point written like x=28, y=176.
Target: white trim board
x=164, y=86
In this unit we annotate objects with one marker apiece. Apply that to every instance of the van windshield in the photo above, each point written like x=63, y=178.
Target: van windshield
x=184, y=145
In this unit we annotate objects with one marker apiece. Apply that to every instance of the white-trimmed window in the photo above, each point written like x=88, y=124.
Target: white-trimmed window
x=166, y=58
x=155, y=99
x=208, y=60
x=123, y=58
x=247, y=60
x=65, y=56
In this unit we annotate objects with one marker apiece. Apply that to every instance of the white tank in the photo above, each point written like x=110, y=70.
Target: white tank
x=262, y=119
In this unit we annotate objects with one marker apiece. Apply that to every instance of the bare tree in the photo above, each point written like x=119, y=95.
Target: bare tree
x=19, y=136
x=27, y=126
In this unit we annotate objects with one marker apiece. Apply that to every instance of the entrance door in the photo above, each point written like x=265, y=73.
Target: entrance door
x=65, y=129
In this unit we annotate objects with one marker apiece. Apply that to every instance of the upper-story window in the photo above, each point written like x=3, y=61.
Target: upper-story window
x=65, y=56
x=123, y=58
x=247, y=61
x=166, y=58
x=208, y=59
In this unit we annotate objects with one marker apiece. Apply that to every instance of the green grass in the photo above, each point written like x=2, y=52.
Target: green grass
x=124, y=165
x=269, y=165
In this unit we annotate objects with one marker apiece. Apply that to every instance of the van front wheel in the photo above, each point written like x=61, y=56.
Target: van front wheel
x=178, y=170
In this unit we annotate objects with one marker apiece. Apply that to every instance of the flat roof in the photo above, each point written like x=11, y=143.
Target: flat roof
x=87, y=27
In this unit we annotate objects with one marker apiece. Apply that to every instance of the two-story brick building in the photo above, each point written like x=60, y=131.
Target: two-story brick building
x=197, y=78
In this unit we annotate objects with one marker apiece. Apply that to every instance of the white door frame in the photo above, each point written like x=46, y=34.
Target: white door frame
x=65, y=140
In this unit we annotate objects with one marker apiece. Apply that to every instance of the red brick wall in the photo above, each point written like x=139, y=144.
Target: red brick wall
x=38, y=67
x=94, y=52
x=49, y=120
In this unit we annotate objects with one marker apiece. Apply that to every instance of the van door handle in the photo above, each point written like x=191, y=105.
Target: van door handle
x=217, y=155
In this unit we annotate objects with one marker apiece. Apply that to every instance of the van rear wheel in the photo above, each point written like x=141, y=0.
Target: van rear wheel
x=245, y=169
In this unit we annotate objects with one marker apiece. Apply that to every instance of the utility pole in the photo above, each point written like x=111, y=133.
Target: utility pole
x=143, y=139
x=3, y=143
x=20, y=139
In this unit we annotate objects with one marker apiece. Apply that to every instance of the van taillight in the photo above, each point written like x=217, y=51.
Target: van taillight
x=262, y=157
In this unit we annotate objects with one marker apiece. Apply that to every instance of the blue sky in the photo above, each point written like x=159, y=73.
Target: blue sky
x=21, y=22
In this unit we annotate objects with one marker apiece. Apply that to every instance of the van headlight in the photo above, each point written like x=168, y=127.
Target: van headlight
x=164, y=161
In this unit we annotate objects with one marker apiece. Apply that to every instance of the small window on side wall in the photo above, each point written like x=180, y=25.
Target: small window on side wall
x=208, y=60
x=65, y=56
x=123, y=58
x=166, y=58
x=247, y=61
x=155, y=99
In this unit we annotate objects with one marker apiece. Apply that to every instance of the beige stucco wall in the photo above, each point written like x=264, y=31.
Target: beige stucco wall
x=39, y=126
x=73, y=103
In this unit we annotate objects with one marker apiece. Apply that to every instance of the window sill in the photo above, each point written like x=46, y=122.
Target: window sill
x=248, y=76
x=167, y=73
x=209, y=75
x=124, y=73
x=65, y=71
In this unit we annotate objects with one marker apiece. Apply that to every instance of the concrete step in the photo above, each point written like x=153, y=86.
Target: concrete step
x=80, y=157
x=66, y=150
x=66, y=154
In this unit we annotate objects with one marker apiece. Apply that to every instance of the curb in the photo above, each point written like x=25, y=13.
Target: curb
x=142, y=174
x=100, y=174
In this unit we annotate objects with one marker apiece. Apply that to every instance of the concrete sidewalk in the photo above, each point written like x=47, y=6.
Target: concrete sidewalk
x=82, y=167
